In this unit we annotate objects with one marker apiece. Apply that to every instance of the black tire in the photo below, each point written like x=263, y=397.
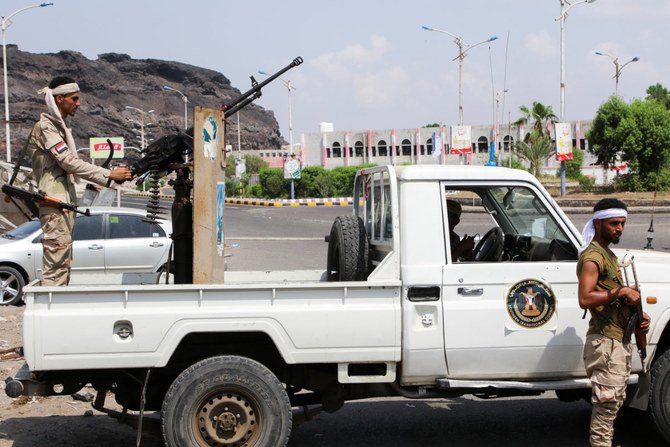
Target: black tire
x=348, y=250
x=11, y=286
x=659, y=395
x=226, y=401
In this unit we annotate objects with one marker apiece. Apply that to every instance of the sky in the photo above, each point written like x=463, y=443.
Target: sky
x=368, y=64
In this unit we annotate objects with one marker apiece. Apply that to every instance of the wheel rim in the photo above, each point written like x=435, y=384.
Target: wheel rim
x=9, y=287
x=229, y=417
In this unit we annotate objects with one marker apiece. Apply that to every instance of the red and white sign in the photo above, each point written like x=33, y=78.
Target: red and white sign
x=461, y=140
x=563, y=141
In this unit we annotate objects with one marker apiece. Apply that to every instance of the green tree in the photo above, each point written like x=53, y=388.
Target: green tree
x=254, y=164
x=659, y=93
x=603, y=142
x=644, y=137
x=536, y=149
x=432, y=125
x=538, y=116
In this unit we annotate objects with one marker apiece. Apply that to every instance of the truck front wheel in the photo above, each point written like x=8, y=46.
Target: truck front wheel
x=226, y=401
x=659, y=396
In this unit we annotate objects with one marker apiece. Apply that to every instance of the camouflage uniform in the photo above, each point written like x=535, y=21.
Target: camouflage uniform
x=606, y=358
x=57, y=169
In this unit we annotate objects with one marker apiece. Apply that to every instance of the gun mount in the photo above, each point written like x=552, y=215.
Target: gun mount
x=168, y=155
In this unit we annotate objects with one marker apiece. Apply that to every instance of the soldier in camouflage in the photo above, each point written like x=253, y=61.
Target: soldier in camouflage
x=601, y=290
x=57, y=169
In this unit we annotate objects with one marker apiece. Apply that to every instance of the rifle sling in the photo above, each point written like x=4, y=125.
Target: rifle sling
x=19, y=160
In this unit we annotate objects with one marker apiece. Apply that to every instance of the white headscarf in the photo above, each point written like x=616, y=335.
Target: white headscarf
x=589, y=231
x=54, y=112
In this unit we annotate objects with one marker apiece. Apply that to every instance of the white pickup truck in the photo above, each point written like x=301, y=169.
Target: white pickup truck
x=392, y=315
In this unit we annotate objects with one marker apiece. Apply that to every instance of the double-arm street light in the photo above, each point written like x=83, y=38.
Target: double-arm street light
x=463, y=48
x=6, y=23
x=565, y=7
x=142, y=123
x=617, y=68
x=289, y=87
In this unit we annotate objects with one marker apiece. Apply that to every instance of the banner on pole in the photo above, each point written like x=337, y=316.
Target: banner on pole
x=563, y=141
x=461, y=140
x=437, y=145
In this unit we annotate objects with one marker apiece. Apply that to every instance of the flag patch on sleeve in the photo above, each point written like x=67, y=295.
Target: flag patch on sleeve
x=60, y=147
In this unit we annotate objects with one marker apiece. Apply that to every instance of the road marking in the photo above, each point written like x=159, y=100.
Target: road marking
x=261, y=238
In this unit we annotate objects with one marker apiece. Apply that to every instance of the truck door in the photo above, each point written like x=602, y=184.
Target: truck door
x=510, y=305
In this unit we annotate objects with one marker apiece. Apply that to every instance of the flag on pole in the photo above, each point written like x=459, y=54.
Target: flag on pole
x=437, y=145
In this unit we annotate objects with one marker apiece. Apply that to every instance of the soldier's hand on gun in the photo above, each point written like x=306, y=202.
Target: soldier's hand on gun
x=646, y=321
x=120, y=174
x=631, y=295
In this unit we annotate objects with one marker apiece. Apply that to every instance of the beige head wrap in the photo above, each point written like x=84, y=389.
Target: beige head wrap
x=54, y=112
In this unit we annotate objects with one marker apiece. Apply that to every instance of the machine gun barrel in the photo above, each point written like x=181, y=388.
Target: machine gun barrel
x=255, y=91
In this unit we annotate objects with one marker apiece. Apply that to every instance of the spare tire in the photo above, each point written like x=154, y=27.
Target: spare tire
x=348, y=250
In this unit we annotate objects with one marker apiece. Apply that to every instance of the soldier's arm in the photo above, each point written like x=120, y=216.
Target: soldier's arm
x=589, y=297
x=58, y=149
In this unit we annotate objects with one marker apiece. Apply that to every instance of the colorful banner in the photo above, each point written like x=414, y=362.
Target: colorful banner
x=563, y=141
x=99, y=148
x=393, y=147
x=461, y=140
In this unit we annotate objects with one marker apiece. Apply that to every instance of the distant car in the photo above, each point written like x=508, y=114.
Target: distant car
x=109, y=241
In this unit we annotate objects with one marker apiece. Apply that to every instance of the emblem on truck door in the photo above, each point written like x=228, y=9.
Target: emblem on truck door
x=530, y=303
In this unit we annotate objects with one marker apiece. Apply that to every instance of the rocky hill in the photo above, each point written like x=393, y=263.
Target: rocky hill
x=114, y=81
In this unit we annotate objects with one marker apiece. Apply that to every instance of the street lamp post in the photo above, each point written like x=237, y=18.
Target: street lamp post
x=289, y=87
x=185, y=99
x=6, y=23
x=617, y=69
x=142, y=123
x=463, y=48
x=561, y=20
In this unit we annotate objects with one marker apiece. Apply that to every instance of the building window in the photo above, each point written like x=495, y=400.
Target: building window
x=406, y=147
x=358, y=148
x=482, y=145
x=508, y=141
x=381, y=148
x=337, y=150
x=429, y=146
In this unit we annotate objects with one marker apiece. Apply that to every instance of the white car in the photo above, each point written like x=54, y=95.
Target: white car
x=110, y=241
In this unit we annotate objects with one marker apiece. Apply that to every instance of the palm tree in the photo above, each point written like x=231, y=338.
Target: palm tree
x=535, y=149
x=539, y=114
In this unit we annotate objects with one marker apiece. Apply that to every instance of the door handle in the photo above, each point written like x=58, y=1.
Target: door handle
x=155, y=244
x=95, y=247
x=423, y=293
x=470, y=291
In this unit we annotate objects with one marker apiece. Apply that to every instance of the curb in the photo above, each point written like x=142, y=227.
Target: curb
x=338, y=201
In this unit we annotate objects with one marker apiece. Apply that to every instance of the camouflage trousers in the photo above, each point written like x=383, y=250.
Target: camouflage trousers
x=607, y=363
x=57, y=227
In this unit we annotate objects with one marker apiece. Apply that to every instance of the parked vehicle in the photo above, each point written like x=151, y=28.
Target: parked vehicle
x=110, y=241
x=392, y=315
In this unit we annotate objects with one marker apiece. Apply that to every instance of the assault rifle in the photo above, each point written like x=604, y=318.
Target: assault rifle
x=255, y=91
x=635, y=320
x=39, y=197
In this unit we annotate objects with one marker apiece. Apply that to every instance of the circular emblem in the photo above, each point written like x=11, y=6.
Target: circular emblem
x=530, y=303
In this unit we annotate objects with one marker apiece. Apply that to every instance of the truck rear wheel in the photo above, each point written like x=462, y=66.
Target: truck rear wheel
x=348, y=250
x=226, y=401
x=659, y=396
